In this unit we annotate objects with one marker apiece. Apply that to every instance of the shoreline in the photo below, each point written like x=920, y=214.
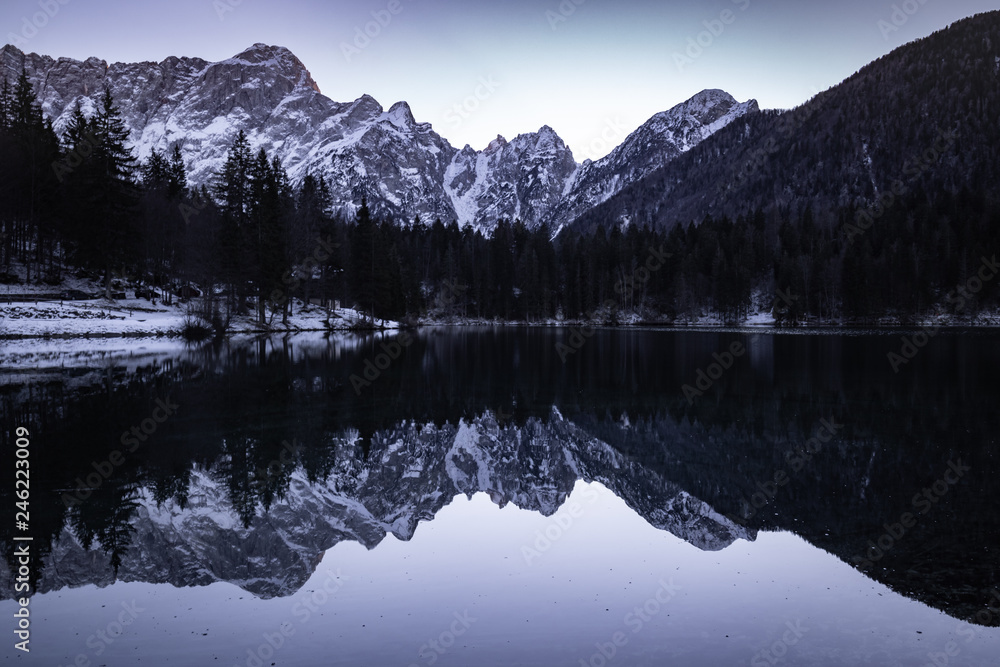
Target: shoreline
x=852, y=329
x=138, y=318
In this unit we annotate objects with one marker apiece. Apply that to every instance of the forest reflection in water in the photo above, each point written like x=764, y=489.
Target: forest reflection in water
x=239, y=447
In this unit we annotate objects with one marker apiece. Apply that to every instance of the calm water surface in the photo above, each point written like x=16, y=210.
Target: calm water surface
x=499, y=496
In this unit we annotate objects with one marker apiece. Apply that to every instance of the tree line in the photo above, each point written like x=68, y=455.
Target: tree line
x=252, y=242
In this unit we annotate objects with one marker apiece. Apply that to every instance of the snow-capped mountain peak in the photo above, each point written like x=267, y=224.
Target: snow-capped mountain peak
x=401, y=116
x=403, y=167
x=495, y=145
x=275, y=57
x=660, y=139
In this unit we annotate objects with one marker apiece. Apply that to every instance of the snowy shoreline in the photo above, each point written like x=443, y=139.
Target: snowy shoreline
x=137, y=318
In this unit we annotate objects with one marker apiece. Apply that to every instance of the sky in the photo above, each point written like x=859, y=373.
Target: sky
x=593, y=70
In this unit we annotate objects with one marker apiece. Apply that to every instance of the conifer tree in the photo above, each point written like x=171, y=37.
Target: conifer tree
x=176, y=174
x=29, y=188
x=233, y=198
x=114, y=197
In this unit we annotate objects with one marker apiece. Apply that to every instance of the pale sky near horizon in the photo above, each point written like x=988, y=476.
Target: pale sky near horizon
x=593, y=70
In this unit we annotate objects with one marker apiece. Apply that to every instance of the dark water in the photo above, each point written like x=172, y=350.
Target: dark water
x=507, y=496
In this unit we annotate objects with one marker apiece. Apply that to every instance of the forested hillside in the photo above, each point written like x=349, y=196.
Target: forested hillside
x=875, y=201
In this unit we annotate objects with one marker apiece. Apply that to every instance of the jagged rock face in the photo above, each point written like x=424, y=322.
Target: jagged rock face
x=403, y=167
x=522, y=179
x=397, y=163
x=412, y=472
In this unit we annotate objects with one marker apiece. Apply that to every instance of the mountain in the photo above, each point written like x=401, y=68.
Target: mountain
x=661, y=139
x=534, y=177
x=918, y=123
x=523, y=178
x=404, y=168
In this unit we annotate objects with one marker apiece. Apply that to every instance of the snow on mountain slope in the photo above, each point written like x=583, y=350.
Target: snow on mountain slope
x=521, y=179
x=404, y=168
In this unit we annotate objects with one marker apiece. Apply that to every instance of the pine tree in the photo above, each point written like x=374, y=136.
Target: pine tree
x=75, y=173
x=160, y=222
x=155, y=171
x=115, y=197
x=97, y=171
x=28, y=186
x=362, y=274
x=176, y=174
x=6, y=171
x=311, y=224
x=233, y=198
x=6, y=102
x=271, y=204
x=25, y=112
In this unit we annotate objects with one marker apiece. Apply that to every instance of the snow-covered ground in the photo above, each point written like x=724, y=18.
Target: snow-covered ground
x=139, y=317
x=35, y=310
x=31, y=309
x=101, y=317
x=22, y=316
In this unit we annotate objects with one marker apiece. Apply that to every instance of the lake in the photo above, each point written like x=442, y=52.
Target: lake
x=506, y=496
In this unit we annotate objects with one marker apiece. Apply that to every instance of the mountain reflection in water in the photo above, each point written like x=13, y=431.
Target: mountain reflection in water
x=271, y=457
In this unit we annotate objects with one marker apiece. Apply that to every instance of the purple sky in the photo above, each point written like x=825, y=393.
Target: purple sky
x=594, y=70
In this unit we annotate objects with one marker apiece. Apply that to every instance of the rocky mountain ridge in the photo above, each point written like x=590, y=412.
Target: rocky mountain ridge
x=403, y=167
x=917, y=123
